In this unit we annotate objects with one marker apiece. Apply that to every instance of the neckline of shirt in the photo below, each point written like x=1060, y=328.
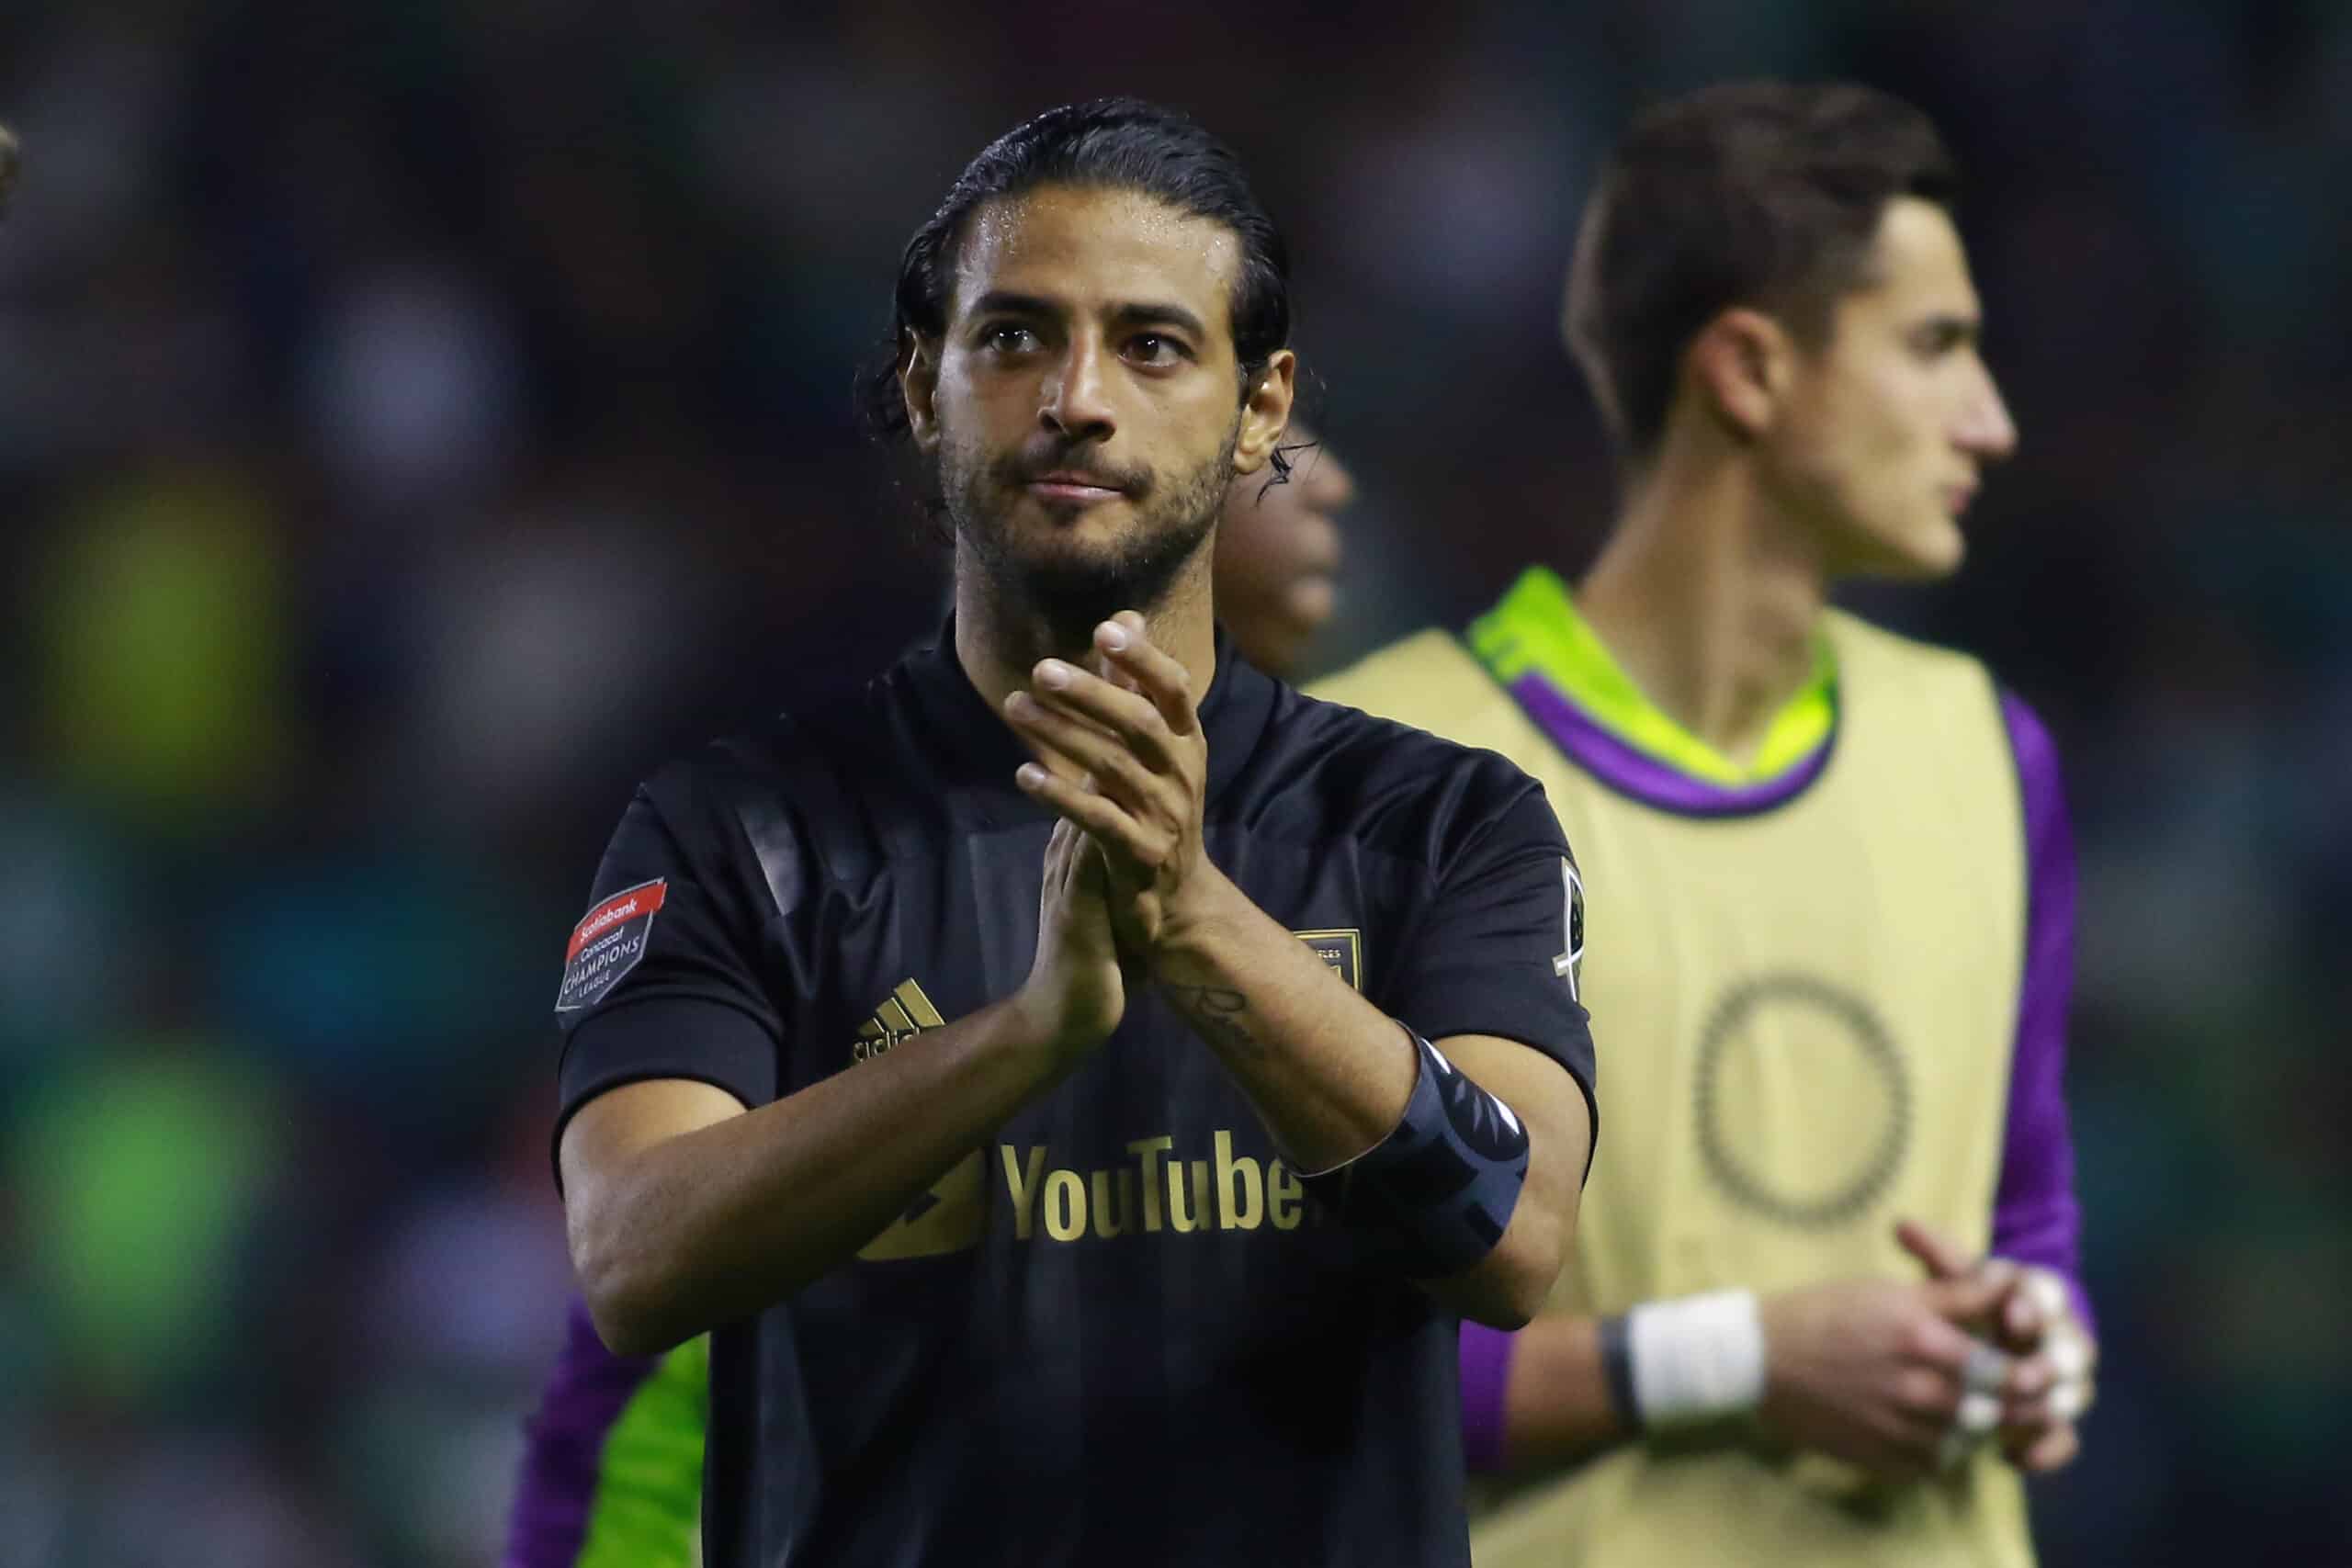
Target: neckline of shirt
x=1555, y=665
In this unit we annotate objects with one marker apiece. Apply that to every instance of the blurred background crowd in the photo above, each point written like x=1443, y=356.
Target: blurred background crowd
x=418, y=418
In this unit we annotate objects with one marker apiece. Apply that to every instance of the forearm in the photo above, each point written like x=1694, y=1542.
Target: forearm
x=1331, y=1077
x=1329, y=1072
x=1510, y=1283
x=1556, y=1405
x=1577, y=1384
x=712, y=1225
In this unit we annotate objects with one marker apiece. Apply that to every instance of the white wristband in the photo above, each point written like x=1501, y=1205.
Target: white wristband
x=1696, y=1358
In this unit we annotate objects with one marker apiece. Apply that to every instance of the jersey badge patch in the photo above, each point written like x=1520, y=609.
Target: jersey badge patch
x=1341, y=949
x=607, y=944
x=1569, y=965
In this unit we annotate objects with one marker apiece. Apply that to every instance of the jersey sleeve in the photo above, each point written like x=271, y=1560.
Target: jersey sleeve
x=1484, y=1356
x=612, y=1459
x=2035, y=1216
x=1500, y=947
x=659, y=974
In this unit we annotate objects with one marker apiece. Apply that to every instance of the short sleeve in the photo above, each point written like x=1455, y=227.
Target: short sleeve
x=659, y=975
x=1499, y=949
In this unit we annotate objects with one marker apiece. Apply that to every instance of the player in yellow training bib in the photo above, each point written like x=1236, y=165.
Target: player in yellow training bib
x=1824, y=1305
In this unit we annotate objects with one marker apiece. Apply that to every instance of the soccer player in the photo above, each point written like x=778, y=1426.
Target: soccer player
x=8, y=162
x=1835, y=876
x=611, y=1470
x=1077, y=1082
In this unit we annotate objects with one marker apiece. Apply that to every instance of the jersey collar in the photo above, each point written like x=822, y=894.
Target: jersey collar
x=980, y=752
x=1552, y=662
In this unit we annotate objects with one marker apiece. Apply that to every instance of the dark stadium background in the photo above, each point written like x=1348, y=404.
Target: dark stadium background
x=419, y=417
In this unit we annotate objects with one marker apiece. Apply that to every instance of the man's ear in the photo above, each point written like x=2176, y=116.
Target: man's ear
x=918, y=384
x=1265, y=412
x=1741, y=365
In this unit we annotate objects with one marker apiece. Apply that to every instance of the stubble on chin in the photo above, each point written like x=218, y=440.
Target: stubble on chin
x=1072, y=583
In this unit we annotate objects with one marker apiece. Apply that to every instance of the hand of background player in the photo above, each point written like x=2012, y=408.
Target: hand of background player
x=2057, y=1359
x=1075, y=993
x=1121, y=755
x=1871, y=1372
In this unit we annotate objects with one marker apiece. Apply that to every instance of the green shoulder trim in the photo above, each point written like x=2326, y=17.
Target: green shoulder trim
x=1535, y=629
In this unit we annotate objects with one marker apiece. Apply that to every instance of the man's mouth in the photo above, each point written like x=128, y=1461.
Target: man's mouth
x=1074, y=487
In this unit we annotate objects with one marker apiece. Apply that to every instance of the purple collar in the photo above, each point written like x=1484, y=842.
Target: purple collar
x=1645, y=778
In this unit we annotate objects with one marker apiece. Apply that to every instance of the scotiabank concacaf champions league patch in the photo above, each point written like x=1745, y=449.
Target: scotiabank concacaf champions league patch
x=607, y=943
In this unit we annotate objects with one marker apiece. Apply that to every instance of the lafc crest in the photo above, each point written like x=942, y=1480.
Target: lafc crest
x=1341, y=949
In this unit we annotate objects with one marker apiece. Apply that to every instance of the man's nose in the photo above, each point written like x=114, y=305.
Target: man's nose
x=1076, y=402
x=1986, y=431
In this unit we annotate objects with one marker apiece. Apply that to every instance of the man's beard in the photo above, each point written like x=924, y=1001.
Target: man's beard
x=1073, y=590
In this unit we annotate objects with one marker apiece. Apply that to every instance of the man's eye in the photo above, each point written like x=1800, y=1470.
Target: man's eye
x=1007, y=338
x=1151, y=349
x=1935, y=341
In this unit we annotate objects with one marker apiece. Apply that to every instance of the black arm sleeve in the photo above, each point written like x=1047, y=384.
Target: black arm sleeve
x=659, y=976
x=1498, y=950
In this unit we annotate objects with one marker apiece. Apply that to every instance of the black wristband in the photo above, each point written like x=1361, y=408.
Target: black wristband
x=1617, y=1368
x=1445, y=1181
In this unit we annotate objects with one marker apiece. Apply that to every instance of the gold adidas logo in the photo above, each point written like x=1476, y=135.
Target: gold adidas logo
x=904, y=1013
x=950, y=1217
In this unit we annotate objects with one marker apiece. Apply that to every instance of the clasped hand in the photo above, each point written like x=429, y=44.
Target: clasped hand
x=2056, y=1361
x=1903, y=1378
x=1121, y=758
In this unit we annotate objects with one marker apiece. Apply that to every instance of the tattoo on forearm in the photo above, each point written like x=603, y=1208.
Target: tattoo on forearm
x=1216, y=1011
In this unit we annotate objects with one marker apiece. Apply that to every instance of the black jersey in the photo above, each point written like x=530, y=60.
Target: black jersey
x=1118, y=1332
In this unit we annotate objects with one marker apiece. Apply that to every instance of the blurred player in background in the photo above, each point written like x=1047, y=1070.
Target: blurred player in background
x=1253, y=1066
x=1278, y=559
x=612, y=1468
x=7, y=165
x=1836, y=879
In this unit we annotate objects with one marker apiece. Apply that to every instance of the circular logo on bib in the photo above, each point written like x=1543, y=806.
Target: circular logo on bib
x=1856, y=1129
